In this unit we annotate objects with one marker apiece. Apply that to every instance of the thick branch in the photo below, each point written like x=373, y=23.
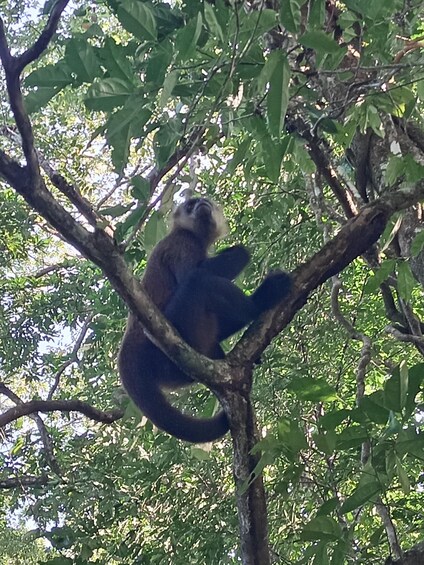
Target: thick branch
x=61, y=405
x=17, y=104
x=322, y=162
x=251, y=502
x=81, y=204
x=99, y=248
x=353, y=240
x=24, y=481
x=43, y=40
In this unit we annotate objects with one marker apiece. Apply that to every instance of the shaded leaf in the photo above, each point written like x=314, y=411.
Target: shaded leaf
x=321, y=528
x=313, y=389
x=363, y=494
x=107, y=94
x=278, y=95
x=81, y=59
x=137, y=18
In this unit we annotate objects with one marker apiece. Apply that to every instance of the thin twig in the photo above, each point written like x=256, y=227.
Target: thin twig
x=73, y=358
x=44, y=435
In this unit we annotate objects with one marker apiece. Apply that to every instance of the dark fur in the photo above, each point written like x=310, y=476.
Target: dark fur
x=196, y=295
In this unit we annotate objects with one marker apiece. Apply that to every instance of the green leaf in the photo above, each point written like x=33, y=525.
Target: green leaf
x=187, y=38
x=141, y=188
x=113, y=56
x=342, y=548
x=325, y=442
x=18, y=445
x=54, y=76
x=392, y=392
x=122, y=126
x=138, y=18
x=417, y=244
x=405, y=280
x=130, y=221
x=415, y=380
x=165, y=141
x=115, y=211
x=39, y=98
x=321, y=528
x=332, y=419
x=328, y=506
x=317, y=14
x=81, y=58
x=254, y=24
x=398, y=386
x=404, y=383
x=375, y=280
x=159, y=62
x=364, y=493
x=302, y=158
x=154, y=231
x=312, y=389
x=320, y=42
x=118, y=136
x=403, y=477
x=390, y=232
x=352, y=437
x=410, y=442
x=394, y=170
x=278, y=95
x=199, y=453
x=272, y=155
x=393, y=425
x=267, y=458
x=168, y=86
x=238, y=156
x=107, y=94
x=414, y=172
x=290, y=14
x=373, y=406
x=212, y=22
x=375, y=11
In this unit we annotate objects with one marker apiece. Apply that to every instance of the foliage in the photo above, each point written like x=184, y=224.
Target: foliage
x=127, y=88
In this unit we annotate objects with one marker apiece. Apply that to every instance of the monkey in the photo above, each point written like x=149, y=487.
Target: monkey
x=196, y=294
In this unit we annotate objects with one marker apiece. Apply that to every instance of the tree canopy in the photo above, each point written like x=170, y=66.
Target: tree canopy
x=303, y=119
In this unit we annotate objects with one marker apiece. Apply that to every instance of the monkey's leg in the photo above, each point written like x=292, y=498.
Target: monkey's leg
x=272, y=290
x=206, y=306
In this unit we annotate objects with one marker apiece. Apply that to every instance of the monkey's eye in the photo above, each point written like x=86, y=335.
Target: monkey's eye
x=189, y=206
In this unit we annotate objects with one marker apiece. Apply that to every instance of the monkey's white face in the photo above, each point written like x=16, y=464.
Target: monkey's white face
x=201, y=211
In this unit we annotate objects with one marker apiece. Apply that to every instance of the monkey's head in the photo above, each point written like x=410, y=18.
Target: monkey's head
x=202, y=217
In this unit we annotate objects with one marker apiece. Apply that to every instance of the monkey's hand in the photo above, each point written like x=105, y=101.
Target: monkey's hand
x=228, y=263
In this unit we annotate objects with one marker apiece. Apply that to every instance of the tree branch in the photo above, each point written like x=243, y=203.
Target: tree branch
x=355, y=237
x=24, y=481
x=23, y=123
x=43, y=40
x=45, y=406
x=73, y=358
x=44, y=434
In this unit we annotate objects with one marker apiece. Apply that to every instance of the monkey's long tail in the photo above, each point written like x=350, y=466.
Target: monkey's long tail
x=155, y=406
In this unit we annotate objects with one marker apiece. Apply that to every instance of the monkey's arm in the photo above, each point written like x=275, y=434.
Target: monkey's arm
x=229, y=263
